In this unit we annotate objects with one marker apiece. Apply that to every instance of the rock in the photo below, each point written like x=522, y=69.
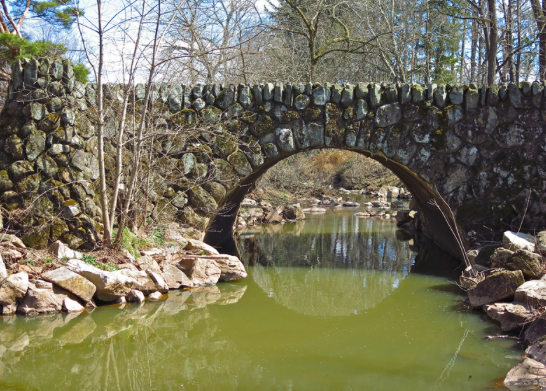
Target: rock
x=541, y=242
x=518, y=241
x=175, y=278
x=42, y=300
x=156, y=296
x=61, y=250
x=157, y=278
x=135, y=296
x=201, y=271
x=397, y=204
x=13, y=289
x=275, y=216
x=314, y=210
x=535, y=330
x=72, y=282
x=527, y=373
x=12, y=241
x=511, y=316
x=3, y=271
x=147, y=263
x=500, y=257
x=231, y=267
x=537, y=351
x=70, y=305
x=388, y=115
x=293, y=212
x=529, y=263
x=532, y=293
x=498, y=285
x=351, y=204
x=194, y=244
x=110, y=285
x=142, y=281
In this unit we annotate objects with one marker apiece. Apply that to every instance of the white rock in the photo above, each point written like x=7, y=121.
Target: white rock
x=157, y=278
x=194, y=244
x=70, y=305
x=142, y=280
x=147, y=263
x=72, y=282
x=12, y=241
x=151, y=252
x=175, y=278
x=230, y=266
x=110, y=285
x=155, y=296
x=135, y=296
x=518, y=241
x=128, y=255
x=3, y=271
x=13, y=289
x=61, y=250
x=42, y=301
x=200, y=270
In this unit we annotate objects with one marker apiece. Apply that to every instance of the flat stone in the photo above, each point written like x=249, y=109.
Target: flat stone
x=14, y=288
x=61, y=250
x=72, y=282
x=175, y=278
x=159, y=281
x=42, y=301
x=231, y=267
x=201, y=271
x=498, y=285
x=142, y=281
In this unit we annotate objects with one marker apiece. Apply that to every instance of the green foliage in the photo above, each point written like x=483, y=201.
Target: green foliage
x=131, y=242
x=64, y=259
x=29, y=262
x=13, y=47
x=81, y=73
x=158, y=236
x=56, y=12
x=90, y=259
x=48, y=260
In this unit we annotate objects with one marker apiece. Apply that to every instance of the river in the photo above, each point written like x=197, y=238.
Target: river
x=331, y=303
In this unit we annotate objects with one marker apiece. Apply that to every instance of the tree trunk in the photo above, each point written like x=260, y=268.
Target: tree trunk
x=493, y=43
x=473, y=49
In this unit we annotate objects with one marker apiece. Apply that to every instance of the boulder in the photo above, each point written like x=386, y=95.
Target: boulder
x=3, y=271
x=72, y=282
x=146, y=263
x=11, y=241
x=537, y=351
x=231, y=267
x=194, y=244
x=61, y=250
x=175, y=278
x=529, y=263
x=135, y=296
x=70, y=305
x=532, y=293
x=315, y=209
x=157, y=278
x=351, y=204
x=12, y=291
x=527, y=373
x=293, y=212
x=535, y=330
x=541, y=242
x=201, y=271
x=111, y=286
x=497, y=285
x=275, y=216
x=511, y=316
x=142, y=281
x=43, y=300
x=518, y=241
x=156, y=296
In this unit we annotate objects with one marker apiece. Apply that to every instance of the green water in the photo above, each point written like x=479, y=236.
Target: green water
x=334, y=303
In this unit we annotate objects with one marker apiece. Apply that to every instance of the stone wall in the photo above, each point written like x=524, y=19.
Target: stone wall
x=481, y=148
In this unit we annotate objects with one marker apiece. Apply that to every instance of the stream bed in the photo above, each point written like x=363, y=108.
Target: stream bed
x=331, y=303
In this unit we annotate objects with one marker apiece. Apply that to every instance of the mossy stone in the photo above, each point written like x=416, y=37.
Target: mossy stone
x=289, y=116
x=51, y=122
x=263, y=125
x=200, y=199
x=38, y=237
x=58, y=229
x=240, y=163
x=185, y=117
x=5, y=183
x=311, y=114
x=14, y=146
x=215, y=189
x=224, y=145
x=35, y=144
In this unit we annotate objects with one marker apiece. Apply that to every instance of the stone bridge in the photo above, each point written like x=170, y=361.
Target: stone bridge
x=481, y=149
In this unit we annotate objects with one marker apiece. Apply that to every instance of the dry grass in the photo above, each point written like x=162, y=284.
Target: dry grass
x=316, y=171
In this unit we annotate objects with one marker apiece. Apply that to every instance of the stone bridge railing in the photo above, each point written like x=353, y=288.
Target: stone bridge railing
x=481, y=148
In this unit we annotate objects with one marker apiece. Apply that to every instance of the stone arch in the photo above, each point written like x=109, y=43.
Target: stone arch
x=220, y=230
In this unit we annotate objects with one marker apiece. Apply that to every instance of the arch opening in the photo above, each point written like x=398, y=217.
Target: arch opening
x=435, y=213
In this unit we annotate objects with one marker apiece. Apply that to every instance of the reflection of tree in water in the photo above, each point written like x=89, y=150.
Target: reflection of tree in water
x=339, y=265
x=340, y=241
x=153, y=346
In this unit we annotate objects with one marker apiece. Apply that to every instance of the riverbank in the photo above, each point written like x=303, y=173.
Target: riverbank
x=74, y=282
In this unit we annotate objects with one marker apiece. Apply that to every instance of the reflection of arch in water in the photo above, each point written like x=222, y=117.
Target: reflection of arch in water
x=324, y=291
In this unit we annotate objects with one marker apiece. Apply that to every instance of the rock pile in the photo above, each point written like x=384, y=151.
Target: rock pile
x=80, y=284
x=262, y=212
x=511, y=289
